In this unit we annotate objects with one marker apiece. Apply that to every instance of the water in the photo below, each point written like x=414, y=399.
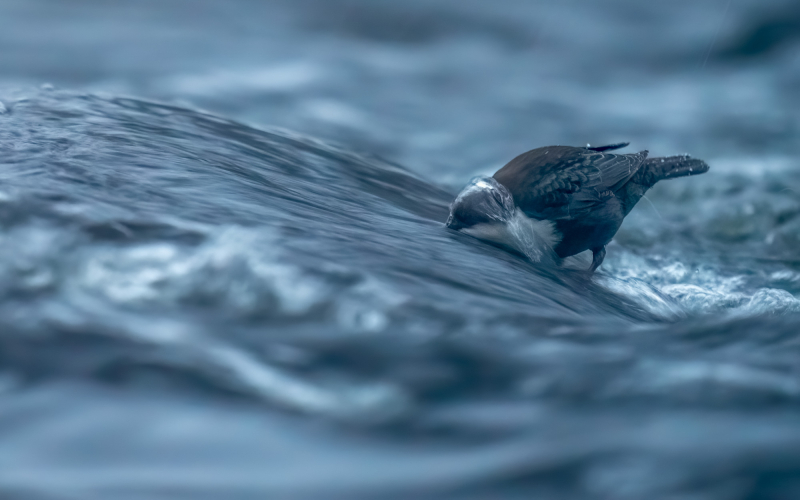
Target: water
x=225, y=273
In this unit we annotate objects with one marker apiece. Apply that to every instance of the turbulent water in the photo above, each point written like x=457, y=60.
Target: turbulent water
x=200, y=304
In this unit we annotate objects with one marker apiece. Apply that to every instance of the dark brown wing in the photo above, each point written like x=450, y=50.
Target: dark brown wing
x=563, y=182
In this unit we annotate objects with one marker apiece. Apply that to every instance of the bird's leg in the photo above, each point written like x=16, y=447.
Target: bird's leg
x=598, y=254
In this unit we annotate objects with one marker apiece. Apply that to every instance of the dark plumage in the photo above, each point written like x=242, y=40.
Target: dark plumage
x=586, y=192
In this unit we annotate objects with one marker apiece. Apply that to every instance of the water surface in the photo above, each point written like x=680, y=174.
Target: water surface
x=224, y=272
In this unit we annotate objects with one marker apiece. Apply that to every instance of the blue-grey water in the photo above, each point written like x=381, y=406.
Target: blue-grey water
x=224, y=273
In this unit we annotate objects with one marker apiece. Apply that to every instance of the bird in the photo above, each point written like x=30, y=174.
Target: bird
x=563, y=198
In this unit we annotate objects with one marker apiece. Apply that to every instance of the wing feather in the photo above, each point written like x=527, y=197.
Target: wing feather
x=560, y=182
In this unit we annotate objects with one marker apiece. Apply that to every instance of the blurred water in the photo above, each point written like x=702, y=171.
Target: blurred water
x=204, y=304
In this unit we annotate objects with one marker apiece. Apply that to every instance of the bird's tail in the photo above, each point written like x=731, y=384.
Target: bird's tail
x=657, y=169
x=670, y=167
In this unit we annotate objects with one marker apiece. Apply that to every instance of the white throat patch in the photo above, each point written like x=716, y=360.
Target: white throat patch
x=533, y=238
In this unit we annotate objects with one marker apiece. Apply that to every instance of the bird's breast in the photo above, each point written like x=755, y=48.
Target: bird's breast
x=533, y=238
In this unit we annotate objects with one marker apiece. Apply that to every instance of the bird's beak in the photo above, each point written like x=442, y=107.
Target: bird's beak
x=453, y=223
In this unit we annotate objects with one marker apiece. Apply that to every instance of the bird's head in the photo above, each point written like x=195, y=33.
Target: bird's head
x=482, y=201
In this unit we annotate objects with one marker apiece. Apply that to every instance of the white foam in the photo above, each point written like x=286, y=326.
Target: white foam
x=237, y=265
x=646, y=295
x=702, y=290
x=772, y=300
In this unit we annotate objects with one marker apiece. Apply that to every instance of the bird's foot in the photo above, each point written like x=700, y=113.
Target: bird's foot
x=598, y=254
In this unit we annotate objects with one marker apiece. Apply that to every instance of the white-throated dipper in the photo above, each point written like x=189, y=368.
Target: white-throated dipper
x=565, y=198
